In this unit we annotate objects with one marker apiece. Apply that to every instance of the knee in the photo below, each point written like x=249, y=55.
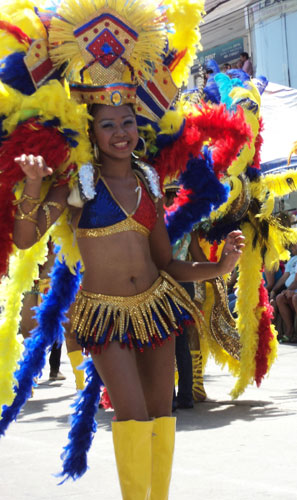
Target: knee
x=294, y=301
x=280, y=299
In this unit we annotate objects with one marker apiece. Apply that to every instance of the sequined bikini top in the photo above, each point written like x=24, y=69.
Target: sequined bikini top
x=104, y=215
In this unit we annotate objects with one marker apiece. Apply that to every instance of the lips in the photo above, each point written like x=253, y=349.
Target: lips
x=121, y=145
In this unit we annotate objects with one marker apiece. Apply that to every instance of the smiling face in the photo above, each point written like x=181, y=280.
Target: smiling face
x=115, y=131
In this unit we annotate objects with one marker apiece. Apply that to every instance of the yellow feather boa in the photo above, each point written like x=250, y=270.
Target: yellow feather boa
x=249, y=279
x=23, y=269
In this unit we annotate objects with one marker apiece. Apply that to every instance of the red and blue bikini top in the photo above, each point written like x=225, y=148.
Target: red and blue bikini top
x=104, y=215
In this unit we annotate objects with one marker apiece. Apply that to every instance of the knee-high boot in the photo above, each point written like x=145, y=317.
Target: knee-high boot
x=163, y=448
x=76, y=359
x=133, y=451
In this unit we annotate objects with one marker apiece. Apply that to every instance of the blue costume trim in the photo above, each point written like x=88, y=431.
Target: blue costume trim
x=101, y=211
x=83, y=426
x=50, y=315
x=208, y=193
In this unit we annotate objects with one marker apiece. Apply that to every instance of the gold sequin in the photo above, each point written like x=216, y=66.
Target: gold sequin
x=222, y=323
x=95, y=311
x=128, y=224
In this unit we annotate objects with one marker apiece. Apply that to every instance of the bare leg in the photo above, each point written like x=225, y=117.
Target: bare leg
x=286, y=313
x=118, y=369
x=70, y=337
x=156, y=369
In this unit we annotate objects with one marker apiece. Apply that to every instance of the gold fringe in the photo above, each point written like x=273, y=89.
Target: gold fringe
x=95, y=311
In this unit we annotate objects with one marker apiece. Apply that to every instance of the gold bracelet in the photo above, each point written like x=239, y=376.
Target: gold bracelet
x=46, y=207
x=24, y=216
x=26, y=197
x=38, y=233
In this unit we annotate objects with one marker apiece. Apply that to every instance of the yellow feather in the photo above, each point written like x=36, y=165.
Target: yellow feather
x=249, y=280
x=281, y=184
x=23, y=269
x=142, y=16
x=185, y=15
x=64, y=237
x=236, y=188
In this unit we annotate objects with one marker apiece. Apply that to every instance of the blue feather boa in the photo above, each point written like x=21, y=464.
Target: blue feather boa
x=83, y=426
x=208, y=194
x=50, y=315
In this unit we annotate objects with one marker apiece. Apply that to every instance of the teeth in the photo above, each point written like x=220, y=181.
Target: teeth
x=121, y=144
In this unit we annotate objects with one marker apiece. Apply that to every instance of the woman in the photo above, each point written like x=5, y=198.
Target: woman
x=125, y=263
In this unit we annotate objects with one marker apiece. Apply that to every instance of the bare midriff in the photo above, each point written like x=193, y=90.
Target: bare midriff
x=118, y=264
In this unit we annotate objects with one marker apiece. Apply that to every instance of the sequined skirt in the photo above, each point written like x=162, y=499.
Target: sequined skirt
x=148, y=318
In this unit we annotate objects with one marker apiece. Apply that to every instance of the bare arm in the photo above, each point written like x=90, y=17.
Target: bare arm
x=195, y=250
x=269, y=279
x=191, y=271
x=34, y=218
x=280, y=283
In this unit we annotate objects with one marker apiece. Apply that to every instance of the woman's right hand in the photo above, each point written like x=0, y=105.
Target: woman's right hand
x=34, y=167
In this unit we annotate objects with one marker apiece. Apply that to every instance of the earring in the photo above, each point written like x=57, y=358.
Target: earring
x=96, y=152
x=139, y=154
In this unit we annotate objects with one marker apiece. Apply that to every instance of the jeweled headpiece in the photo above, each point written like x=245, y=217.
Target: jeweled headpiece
x=111, y=47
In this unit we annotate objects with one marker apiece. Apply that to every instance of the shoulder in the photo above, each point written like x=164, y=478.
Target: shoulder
x=149, y=176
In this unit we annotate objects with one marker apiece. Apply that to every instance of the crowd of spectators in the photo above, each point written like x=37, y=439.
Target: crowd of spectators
x=243, y=63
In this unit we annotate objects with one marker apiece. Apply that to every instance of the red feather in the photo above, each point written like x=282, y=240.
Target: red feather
x=224, y=132
x=13, y=30
x=265, y=335
x=213, y=252
x=29, y=138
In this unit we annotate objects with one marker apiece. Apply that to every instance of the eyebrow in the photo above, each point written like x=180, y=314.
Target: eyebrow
x=112, y=119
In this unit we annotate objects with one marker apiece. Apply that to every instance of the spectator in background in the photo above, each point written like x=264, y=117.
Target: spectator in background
x=286, y=300
x=246, y=64
x=226, y=67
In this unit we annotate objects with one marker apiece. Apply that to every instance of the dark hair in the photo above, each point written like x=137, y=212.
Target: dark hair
x=209, y=71
x=245, y=54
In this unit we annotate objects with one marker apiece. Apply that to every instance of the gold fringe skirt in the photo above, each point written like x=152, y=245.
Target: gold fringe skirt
x=148, y=318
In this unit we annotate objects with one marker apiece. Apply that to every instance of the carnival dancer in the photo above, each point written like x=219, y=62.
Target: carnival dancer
x=135, y=305
x=124, y=60
x=190, y=378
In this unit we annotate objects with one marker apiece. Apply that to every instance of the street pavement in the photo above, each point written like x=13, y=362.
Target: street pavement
x=241, y=450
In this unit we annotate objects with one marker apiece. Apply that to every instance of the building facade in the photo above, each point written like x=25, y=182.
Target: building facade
x=265, y=29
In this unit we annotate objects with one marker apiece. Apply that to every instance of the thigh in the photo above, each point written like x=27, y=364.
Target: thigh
x=156, y=370
x=294, y=301
x=118, y=369
x=70, y=337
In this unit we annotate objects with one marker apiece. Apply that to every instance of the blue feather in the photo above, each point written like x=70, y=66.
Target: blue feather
x=83, y=426
x=211, y=64
x=238, y=73
x=252, y=173
x=50, y=315
x=211, y=91
x=208, y=194
x=13, y=72
x=164, y=140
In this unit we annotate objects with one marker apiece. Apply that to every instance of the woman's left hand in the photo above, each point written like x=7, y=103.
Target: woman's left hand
x=232, y=250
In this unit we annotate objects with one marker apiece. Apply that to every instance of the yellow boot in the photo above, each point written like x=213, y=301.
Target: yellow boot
x=163, y=448
x=133, y=451
x=76, y=359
